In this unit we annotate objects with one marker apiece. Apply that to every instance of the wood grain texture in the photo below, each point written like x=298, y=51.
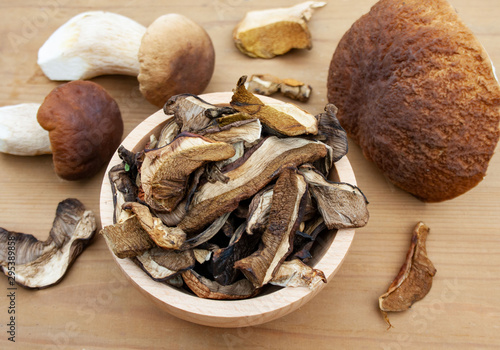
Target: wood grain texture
x=96, y=307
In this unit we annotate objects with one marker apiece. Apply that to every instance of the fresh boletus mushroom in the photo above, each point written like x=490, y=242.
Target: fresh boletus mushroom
x=85, y=128
x=419, y=95
x=176, y=56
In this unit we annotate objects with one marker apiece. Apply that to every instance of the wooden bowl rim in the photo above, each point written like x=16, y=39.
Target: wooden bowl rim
x=223, y=313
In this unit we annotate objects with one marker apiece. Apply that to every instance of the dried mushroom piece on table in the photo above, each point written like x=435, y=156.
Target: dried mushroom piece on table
x=267, y=33
x=414, y=279
x=267, y=84
x=41, y=264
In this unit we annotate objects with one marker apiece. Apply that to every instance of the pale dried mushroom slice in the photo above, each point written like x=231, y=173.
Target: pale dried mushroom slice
x=342, y=205
x=267, y=85
x=164, y=236
x=248, y=131
x=162, y=264
x=414, y=279
x=247, y=176
x=295, y=273
x=42, y=264
x=267, y=33
x=277, y=240
x=295, y=90
x=258, y=210
x=208, y=289
x=284, y=118
x=127, y=238
x=165, y=171
x=168, y=133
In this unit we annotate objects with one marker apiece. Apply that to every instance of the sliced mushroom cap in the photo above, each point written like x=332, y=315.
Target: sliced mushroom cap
x=85, y=128
x=123, y=188
x=331, y=132
x=414, y=279
x=42, y=264
x=295, y=273
x=258, y=210
x=188, y=111
x=284, y=118
x=342, y=205
x=165, y=171
x=247, y=176
x=277, y=240
x=208, y=289
x=248, y=131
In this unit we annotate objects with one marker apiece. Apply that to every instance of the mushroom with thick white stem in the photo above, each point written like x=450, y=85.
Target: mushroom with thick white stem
x=173, y=55
x=20, y=133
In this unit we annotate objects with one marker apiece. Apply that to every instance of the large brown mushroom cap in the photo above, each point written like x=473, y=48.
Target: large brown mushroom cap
x=176, y=56
x=416, y=90
x=85, y=128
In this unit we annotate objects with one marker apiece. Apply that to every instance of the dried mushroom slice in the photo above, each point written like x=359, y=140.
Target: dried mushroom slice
x=208, y=289
x=165, y=171
x=168, y=133
x=241, y=245
x=295, y=273
x=206, y=234
x=123, y=188
x=127, y=238
x=258, y=210
x=38, y=264
x=164, y=236
x=284, y=118
x=192, y=113
x=248, y=130
x=277, y=240
x=331, y=132
x=342, y=205
x=247, y=176
x=266, y=84
x=163, y=264
x=414, y=279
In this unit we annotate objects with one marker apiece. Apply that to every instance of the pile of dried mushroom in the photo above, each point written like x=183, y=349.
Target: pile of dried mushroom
x=228, y=199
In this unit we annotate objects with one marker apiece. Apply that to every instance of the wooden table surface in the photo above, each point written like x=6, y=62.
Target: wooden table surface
x=95, y=307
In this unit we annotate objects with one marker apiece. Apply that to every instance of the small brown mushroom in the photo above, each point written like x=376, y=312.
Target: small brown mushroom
x=284, y=118
x=35, y=264
x=85, y=128
x=414, y=279
x=176, y=56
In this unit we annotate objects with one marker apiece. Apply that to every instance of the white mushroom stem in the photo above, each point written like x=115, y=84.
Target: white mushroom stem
x=20, y=133
x=90, y=44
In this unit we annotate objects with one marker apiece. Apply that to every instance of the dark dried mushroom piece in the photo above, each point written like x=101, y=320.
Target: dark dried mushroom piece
x=41, y=264
x=127, y=238
x=247, y=176
x=284, y=118
x=277, y=240
x=342, y=205
x=240, y=246
x=192, y=113
x=331, y=132
x=164, y=236
x=302, y=244
x=165, y=171
x=206, y=234
x=123, y=188
x=162, y=264
x=208, y=289
x=414, y=279
x=295, y=273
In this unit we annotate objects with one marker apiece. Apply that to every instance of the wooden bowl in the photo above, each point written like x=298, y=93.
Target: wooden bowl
x=274, y=302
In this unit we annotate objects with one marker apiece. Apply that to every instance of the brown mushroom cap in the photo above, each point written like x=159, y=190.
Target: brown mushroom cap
x=416, y=90
x=85, y=128
x=176, y=56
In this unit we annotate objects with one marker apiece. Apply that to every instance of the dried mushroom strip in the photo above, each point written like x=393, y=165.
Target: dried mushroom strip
x=414, y=279
x=331, y=132
x=42, y=264
x=248, y=131
x=250, y=174
x=123, y=188
x=284, y=118
x=342, y=205
x=206, y=288
x=267, y=84
x=277, y=240
x=162, y=264
x=295, y=273
x=258, y=210
x=165, y=171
